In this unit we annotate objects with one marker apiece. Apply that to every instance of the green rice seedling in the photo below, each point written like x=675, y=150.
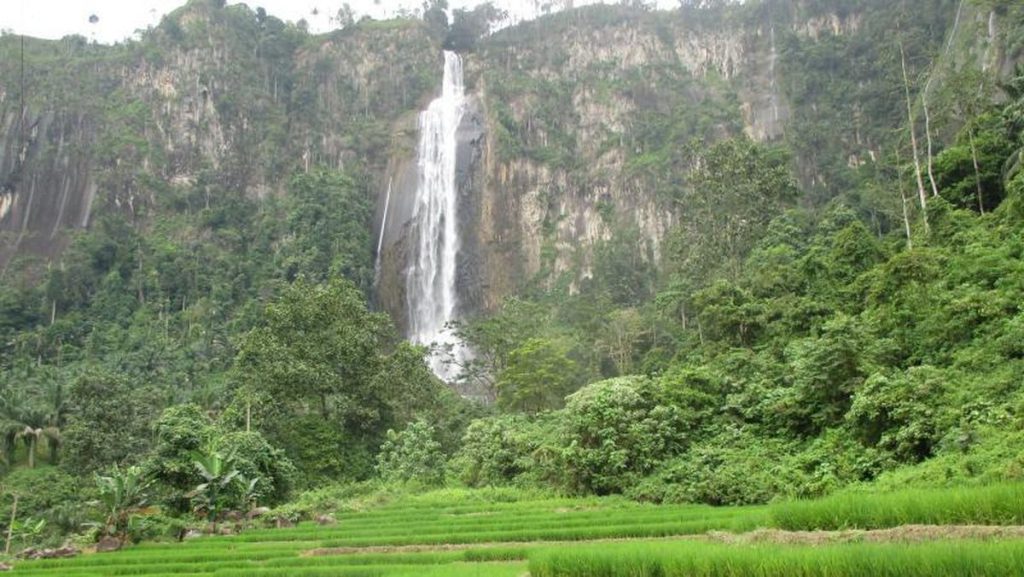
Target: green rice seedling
x=1001, y=504
x=688, y=559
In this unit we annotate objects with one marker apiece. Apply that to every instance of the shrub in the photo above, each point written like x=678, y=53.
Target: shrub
x=411, y=455
x=615, y=431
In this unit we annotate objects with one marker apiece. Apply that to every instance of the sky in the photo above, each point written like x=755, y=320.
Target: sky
x=119, y=19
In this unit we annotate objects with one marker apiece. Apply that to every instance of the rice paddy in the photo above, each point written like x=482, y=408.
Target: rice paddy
x=464, y=535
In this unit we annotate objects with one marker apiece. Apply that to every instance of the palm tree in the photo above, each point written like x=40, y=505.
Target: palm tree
x=56, y=408
x=13, y=404
x=22, y=417
x=34, y=427
x=218, y=473
x=32, y=410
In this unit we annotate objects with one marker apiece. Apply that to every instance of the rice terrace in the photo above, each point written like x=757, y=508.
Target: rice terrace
x=511, y=533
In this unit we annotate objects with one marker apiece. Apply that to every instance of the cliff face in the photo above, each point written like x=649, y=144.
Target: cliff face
x=577, y=134
x=214, y=99
x=584, y=118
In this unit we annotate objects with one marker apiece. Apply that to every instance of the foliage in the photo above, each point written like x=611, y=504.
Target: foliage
x=322, y=360
x=538, y=375
x=214, y=493
x=122, y=493
x=184, y=431
x=616, y=430
x=411, y=456
x=108, y=423
x=497, y=450
x=45, y=494
x=181, y=431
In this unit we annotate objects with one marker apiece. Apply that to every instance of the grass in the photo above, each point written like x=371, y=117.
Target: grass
x=1001, y=504
x=499, y=533
x=688, y=559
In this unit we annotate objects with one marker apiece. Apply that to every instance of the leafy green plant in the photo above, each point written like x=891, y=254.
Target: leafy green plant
x=219, y=475
x=123, y=491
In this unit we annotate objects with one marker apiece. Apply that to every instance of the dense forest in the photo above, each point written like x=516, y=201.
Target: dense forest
x=810, y=322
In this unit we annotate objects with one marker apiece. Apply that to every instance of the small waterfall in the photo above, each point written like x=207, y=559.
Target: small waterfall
x=430, y=277
x=380, y=237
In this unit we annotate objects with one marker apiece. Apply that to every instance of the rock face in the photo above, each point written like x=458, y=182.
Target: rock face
x=576, y=132
x=214, y=99
x=565, y=149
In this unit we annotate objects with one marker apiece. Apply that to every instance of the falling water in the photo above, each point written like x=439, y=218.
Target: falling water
x=380, y=238
x=430, y=280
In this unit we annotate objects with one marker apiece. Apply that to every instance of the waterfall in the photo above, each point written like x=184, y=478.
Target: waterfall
x=380, y=237
x=430, y=277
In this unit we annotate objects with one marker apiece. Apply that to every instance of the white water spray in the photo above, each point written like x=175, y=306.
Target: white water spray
x=430, y=278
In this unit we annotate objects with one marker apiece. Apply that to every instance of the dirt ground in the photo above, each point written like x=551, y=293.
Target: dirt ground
x=903, y=534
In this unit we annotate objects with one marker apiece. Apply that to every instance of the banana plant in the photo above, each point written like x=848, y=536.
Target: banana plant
x=250, y=494
x=122, y=493
x=218, y=474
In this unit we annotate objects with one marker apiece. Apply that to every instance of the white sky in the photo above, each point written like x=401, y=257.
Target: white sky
x=119, y=19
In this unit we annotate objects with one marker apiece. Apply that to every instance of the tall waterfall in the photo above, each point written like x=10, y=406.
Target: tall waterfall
x=430, y=277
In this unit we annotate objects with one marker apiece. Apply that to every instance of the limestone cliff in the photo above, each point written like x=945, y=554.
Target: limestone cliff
x=578, y=131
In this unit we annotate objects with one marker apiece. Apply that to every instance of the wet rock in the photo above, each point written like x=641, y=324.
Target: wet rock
x=58, y=553
x=108, y=544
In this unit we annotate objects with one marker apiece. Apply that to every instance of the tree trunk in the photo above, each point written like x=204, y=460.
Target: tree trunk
x=928, y=139
x=32, y=452
x=903, y=197
x=10, y=526
x=922, y=197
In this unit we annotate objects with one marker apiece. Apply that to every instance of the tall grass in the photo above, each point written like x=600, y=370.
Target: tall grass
x=1001, y=504
x=688, y=559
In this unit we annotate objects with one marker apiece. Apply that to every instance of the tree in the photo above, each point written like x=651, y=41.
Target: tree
x=345, y=16
x=538, y=376
x=180, y=432
x=827, y=370
x=329, y=217
x=322, y=360
x=108, y=421
x=735, y=189
x=468, y=26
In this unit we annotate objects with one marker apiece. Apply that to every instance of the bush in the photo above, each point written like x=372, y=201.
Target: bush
x=181, y=431
x=615, y=432
x=496, y=451
x=732, y=468
x=255, y=458
x=411, y=456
